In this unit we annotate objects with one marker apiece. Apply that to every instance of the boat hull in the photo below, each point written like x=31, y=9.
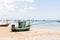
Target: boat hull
x=4, y=25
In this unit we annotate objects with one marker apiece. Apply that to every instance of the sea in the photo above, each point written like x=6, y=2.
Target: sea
x=54, y=23
x=46, y=23
x=38, y=25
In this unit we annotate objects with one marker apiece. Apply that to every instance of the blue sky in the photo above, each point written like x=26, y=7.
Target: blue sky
x=30, y=9
x=48, y=9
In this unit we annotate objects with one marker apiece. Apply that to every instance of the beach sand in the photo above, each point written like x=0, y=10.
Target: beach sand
x=43, y=34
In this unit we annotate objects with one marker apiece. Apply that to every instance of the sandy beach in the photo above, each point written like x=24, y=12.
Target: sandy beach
x=43, y=34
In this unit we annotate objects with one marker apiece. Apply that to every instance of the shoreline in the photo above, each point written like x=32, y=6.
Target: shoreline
x=6, y=33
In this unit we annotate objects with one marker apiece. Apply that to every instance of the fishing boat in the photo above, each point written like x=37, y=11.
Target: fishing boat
x=4, y=24
x=58, y=21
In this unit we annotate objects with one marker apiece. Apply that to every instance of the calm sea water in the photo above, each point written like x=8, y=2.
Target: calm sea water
x=51, y=23
x=46, y=25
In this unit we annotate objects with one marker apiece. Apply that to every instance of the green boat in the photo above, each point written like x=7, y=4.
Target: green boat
x=22, y=26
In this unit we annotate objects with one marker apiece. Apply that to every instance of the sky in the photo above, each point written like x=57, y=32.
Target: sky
x=30, y=9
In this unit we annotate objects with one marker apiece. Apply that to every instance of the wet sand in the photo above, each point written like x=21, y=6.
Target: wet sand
x=6, y=34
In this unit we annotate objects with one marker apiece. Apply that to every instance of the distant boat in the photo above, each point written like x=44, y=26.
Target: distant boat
x=4, y=25
x=58, y=21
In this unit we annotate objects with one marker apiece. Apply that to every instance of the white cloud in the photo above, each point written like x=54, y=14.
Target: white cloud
x=14, y=8
x=27, y=0
x=29, y=8
x=30, y=1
